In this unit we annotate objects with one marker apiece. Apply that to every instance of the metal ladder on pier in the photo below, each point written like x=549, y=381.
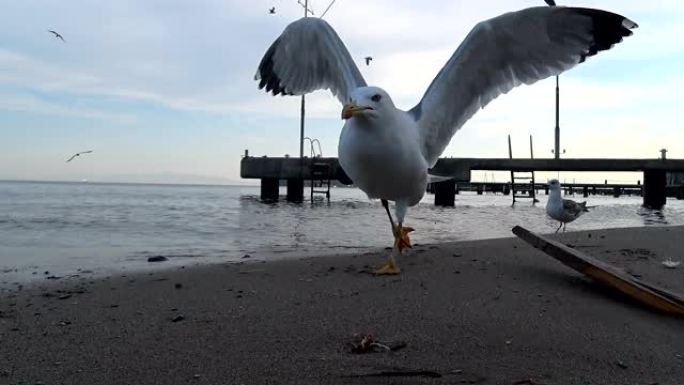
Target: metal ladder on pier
x=522, y=182
x=320, y=171
x=320, y=183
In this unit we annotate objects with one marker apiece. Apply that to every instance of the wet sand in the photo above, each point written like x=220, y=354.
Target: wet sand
x=480, y=312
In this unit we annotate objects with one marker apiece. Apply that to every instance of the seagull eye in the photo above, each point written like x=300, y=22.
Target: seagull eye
x=376, y=98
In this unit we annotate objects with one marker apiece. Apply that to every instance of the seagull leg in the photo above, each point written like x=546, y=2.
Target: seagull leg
x=564, y=226
x=559, y=227
x=401, y=242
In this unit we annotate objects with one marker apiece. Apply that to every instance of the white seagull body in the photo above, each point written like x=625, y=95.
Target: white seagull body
x=562, y=210
x=386, y=151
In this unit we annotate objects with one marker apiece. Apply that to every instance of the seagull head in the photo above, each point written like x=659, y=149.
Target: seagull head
x=554, y=185
x=367, y=102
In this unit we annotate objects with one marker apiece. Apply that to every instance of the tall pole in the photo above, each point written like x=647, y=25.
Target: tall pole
x=552, y=3
x=301, y=130
x=557, y=151
x=303, y=110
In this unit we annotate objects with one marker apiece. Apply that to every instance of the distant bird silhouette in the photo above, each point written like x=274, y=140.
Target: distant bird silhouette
x=368, y=59
x=271, y=10
x=551, y=3
x=78, y=154
x=57, y=35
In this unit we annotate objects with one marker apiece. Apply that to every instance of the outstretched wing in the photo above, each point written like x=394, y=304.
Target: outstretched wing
x=501, y=53
x=72, y=158
x=57, y=35
x=309, y=56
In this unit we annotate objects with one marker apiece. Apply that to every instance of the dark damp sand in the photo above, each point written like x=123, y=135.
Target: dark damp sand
x=488, y=312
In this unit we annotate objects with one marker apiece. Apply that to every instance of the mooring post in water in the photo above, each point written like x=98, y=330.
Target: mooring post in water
x=295, y=190
x=445, y=193
x=270, y=189
x=655, y=183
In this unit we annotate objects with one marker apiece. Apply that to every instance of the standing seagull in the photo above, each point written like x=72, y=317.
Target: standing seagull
x=387, y=152
x=78, y=154
x=368, y=59
x=271, y=10
x=57, y=35
x=562, y=210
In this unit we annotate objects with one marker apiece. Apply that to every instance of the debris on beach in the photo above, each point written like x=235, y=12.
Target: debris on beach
x=178, y=318
x=158, y=258
x=400, y=372
x=655, y=297
x=369, y=344
x=671, y=264
x=527, y=381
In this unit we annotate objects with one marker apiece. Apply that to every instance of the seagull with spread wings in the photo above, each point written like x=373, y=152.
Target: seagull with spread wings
x=78, y=154
x=57, y=35
x=387, y=152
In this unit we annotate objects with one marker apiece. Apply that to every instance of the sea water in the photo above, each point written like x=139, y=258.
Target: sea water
x=49, y=229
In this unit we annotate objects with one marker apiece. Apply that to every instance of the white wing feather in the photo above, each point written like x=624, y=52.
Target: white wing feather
x=500, y=54
x=309, y=56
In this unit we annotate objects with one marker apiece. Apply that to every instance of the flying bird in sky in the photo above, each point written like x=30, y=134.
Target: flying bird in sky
x=271, y=10
x=388, y=152
x=57, y=35
x=368, y=59
x=78, y=154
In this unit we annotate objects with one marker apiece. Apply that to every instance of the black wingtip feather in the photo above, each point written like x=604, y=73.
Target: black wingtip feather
x=266, y=75
x=609, y=29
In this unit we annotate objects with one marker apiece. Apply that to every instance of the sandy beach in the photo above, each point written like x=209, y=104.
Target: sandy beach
x=478, y=312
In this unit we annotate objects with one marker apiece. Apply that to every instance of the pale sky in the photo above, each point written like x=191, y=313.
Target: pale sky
x=163, y=90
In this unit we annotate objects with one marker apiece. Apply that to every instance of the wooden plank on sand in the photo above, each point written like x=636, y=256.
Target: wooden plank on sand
x=648, y=294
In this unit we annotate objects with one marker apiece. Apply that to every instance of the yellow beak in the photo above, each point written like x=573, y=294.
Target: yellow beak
x=351, y=109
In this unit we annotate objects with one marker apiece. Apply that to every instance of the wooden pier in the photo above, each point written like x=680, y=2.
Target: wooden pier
x=295, y=170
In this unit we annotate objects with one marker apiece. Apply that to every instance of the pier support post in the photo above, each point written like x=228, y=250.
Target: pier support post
x=655, y=182
x=295, y=190
x=480, y=189
x=269, y=189
x=507, y=189
x=445, y=193
x=585, y=191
